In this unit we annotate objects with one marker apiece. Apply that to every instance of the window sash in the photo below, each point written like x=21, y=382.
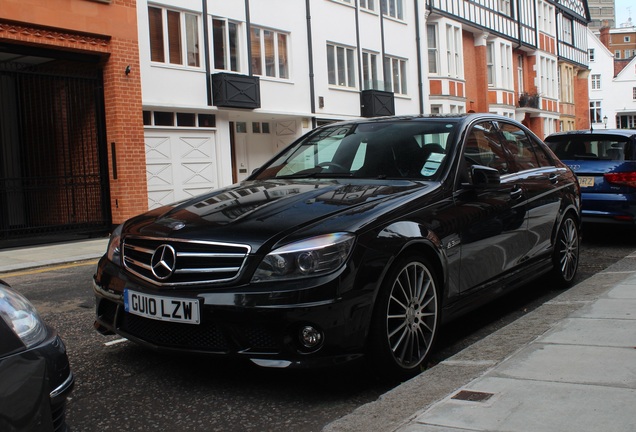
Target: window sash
x=270, y=53
x=174, y=37
x=341, y=66
x=433, y=51
x=225, y=45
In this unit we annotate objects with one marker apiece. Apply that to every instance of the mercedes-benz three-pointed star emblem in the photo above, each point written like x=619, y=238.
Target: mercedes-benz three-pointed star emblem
x=163, y=262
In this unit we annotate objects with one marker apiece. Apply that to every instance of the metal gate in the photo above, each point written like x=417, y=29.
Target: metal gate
x=53, y=162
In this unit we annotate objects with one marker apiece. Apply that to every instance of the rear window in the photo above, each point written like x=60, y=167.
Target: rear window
x=573, y=147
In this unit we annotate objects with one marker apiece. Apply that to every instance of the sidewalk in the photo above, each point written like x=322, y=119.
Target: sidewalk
x=569, y=365
x=39, y=256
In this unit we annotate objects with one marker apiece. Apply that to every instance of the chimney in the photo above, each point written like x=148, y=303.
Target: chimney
x=605, y=35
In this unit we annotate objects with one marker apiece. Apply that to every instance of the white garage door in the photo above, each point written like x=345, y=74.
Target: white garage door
x=180, y=165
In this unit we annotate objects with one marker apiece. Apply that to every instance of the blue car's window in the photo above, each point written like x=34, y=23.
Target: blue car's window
x=582, y=147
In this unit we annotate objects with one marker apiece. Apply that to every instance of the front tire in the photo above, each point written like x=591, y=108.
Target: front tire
x=406, y=319
x=566, y=252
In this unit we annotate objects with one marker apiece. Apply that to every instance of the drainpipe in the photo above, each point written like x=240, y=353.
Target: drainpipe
x=310, y=54
x=358, y=45
x=418, y=46
x=248, y=26
x=206, y=49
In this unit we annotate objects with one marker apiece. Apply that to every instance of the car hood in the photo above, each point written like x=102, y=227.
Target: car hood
x=254, y=211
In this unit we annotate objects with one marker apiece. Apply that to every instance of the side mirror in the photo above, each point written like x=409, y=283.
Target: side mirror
x=484, y=176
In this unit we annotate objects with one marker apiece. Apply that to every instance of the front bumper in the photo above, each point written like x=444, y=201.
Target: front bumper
x=261, y=322
x=34, y=385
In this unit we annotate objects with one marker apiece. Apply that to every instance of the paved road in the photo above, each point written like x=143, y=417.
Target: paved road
x=123, y=387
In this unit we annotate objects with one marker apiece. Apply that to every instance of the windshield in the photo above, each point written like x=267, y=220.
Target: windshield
x=582, y=147
x=413, y=149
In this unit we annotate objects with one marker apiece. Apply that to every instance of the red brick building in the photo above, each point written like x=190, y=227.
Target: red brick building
x=72, y=147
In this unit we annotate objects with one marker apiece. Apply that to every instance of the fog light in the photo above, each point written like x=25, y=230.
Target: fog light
x=310, y=337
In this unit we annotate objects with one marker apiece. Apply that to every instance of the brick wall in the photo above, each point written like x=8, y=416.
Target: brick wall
x=110, y=31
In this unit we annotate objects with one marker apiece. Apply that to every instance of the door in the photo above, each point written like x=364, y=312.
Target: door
x=493, y=232
x=180, y=164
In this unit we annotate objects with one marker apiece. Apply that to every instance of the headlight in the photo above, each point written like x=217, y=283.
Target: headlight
x=311, y=257
x=114, y=251
x=22, y=317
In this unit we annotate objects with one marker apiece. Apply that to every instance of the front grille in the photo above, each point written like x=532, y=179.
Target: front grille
x=182, y=262
x=204, y=337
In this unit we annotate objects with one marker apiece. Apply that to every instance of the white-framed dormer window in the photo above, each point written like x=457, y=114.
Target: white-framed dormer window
x=393, y=8
x=341, y=66
x=270, y=56
x=433, y=49
x=225, y=45
x=174, y=37
x=395, y=75
x=595, y=80
x=369, y=71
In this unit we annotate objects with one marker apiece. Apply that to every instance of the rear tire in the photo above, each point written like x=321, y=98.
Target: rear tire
x=406, y=319
x=566, y=252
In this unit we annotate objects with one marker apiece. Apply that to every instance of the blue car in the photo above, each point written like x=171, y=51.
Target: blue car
x=605, y=163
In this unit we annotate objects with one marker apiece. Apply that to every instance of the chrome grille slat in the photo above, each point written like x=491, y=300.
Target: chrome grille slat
x=219, y=270
x=195, y=262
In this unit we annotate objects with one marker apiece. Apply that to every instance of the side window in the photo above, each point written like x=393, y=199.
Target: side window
x=483, y=147
x=520, y=146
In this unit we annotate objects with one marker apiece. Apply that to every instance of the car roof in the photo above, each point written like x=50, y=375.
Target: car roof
x=594, y=132
x=465, y=117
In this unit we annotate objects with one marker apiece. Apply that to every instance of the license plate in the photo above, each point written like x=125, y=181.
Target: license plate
x=162, y=308
x=586, y=181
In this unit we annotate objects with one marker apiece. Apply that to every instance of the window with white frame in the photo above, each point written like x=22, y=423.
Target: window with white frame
x=454, y=51
x=367, y=4
x=395, y=75
x=545, y=17
x=490, y=63
x=270, y=55
x=634, y=93
x=393, y=8
x=566, y=30
x=436, y=109
x=595, y=112
x=433, y=49
x=225, y=35
x=591, y=54
x=369, y=71
x=341, y=69
x=506, y=66
x=504, y=7
x=595, y=80
x=174, y=37
x=626, y=39
x=567, y=84
x=617, y=54
x=548, y=68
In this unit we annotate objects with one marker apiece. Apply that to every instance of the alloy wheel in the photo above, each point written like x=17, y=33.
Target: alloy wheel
x=411, y=319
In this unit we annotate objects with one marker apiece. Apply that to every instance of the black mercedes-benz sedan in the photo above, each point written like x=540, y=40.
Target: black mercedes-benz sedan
x=358, y=240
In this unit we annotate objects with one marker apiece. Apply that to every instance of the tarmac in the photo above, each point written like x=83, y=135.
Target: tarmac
x=569, y=365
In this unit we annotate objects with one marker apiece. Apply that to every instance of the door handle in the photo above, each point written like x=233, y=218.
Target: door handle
x=553, y=178
x=516, y=193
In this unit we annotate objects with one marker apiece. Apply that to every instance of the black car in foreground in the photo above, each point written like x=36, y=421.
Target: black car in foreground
x=35, y=376
x=359, y=239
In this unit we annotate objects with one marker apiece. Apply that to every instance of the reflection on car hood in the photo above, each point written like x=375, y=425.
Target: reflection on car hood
x=257, y=209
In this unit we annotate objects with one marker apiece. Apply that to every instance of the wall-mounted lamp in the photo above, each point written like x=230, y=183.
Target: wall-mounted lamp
x=605, y=121
x=127, y=70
